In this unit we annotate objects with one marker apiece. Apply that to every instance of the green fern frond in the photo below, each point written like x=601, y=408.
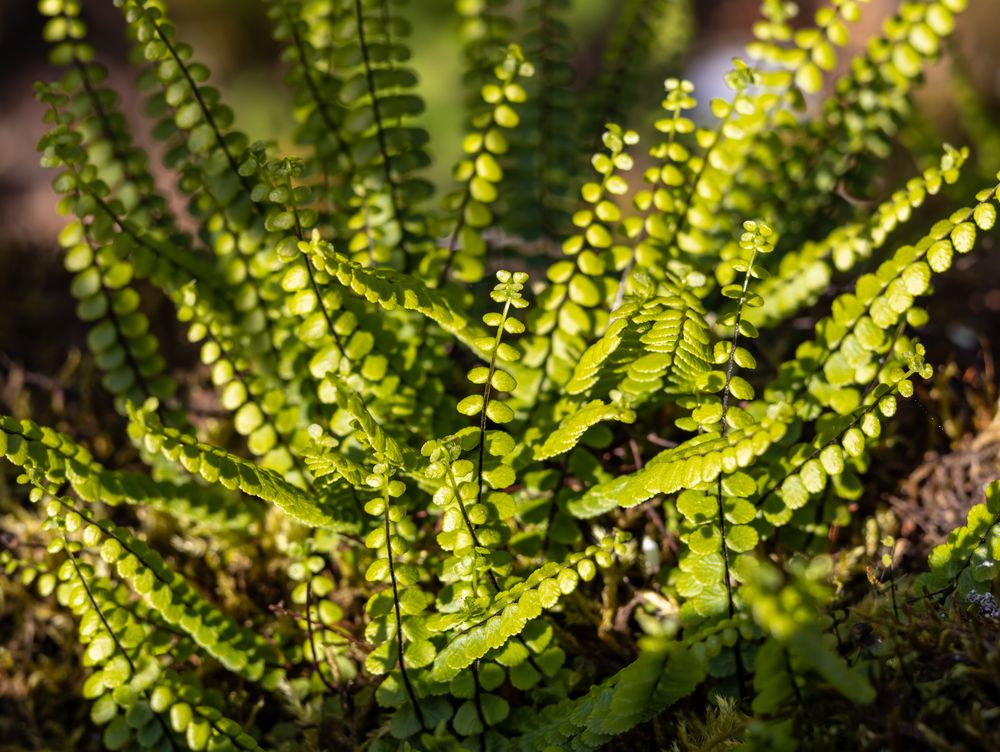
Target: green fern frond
x=962, y=567
x=232, y=472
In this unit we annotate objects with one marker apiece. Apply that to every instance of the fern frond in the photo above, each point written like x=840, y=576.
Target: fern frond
x=870, y=105
x=845, y=354
x=389, y=147
x=574, y=425
x=166, y=592
x=310, y=45
x=480, y=172
x=963, y=566
x=698, y=460
x=119, y=338
x=539, y=167
x=641, y=33
x=569, y=310
x=656, y=680
x=135, y=699
x=391, y=290
x=56, y=457
x=215, y=465
x=656, y=344
x=802, y=275
x=796, y=644
x=474, y=635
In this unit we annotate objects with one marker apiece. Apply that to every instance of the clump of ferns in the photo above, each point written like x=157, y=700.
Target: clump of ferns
x=456, y=554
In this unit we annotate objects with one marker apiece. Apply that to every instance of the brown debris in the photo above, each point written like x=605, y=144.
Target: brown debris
x=936, y=497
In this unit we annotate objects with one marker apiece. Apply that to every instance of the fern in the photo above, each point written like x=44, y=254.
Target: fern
x=539, y=179
x=217, y=466
x=795, y=643
x=480, y=172
x=641, y=34
x=59, y=460
x=133, y=699
x=804, y=274
x=421, y=520
x=962, y=567
x=657, y=679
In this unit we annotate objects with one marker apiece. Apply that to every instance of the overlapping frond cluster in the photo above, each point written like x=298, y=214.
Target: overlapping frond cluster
x=474, y=529
x=486, y=28
x=542, y=164
x=572, y=308
x=805, y=273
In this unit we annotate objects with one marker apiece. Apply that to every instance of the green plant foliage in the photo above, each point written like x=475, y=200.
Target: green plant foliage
x=480, y=172
x=43, y=453
x=658, y=678
x=642, y=35
x=805, y=273
x=229, y=471
x=532, y=516
x=138, y=704
x=963, y=567
x=540, y=170
x=486, y=28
